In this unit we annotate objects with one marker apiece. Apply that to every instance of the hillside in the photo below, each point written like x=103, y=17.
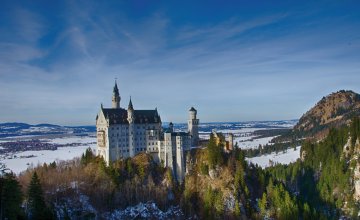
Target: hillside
x=334, y=110
x=324, y=184
x=15, y=129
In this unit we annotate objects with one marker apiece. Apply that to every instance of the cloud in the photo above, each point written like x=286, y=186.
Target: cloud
x=235, y=65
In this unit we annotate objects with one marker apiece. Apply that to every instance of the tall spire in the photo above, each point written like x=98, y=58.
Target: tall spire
x=130, y=107
x=116, y=90
x=116, y=96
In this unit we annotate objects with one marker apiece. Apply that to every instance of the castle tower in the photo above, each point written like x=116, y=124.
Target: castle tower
x=171, y=127
x=193, y=126
x=131, y=120
x=116, y=97
x=180, y=166
x=231, y=141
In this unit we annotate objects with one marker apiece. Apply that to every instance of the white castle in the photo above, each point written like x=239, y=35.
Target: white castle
x=123, y=133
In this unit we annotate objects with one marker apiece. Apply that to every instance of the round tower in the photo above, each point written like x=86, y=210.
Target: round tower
x=231, y=141
x=116, y=97
x=192, y=113
x=193, y=126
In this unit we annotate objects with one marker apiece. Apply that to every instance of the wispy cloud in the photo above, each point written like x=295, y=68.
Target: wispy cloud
x=242, y=62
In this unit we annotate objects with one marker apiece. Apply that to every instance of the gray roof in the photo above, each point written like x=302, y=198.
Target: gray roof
x=130, y=106
x=119, y=116
x=192, y=109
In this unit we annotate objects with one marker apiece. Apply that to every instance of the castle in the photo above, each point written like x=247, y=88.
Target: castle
x=123, y=133
x=228, y=142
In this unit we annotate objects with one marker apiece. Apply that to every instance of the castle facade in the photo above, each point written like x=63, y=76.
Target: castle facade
x=123, y=133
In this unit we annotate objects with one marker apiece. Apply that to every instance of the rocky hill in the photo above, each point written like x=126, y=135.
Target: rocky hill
x=333, y=110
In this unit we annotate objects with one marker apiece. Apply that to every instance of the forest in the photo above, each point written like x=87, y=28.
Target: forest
x=218, y=185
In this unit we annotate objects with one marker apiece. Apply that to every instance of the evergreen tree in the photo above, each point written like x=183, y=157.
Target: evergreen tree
x=11, y=197
x=237, y=209
x=215, y=156
x=37, y=208
x=307, y=212
x=87, y=157
x=262, y=205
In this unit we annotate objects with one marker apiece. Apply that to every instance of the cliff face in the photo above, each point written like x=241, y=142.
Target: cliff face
x=333, y=110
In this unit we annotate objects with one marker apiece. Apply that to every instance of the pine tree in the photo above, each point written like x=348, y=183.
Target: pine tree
x=237, y=209
x=307, y=211
x=37, y=208
x=11, y=197
x=215, y=156
x=262, y=204
x=87, y=157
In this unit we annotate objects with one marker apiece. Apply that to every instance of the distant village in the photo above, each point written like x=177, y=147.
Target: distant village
x=33, y=144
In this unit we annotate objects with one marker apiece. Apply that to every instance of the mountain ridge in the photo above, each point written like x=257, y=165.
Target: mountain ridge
x=332, y=111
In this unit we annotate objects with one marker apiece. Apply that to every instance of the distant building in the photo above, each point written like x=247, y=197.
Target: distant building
x=123, y=133
x=228, y=142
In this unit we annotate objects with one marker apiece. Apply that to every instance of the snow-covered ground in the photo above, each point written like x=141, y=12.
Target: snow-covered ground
x=22, y=160
x=147, y=210
x=289, y=156
x=244, y=137
x=72, y=140
x=254, y=143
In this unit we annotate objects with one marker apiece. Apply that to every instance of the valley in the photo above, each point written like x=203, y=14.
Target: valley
x=21, y=149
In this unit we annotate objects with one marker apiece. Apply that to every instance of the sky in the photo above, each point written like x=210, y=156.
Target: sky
x=231, y=60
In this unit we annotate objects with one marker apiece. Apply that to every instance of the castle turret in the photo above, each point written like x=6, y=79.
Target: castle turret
x=231, y=141
x=131, y=120
x=116, y=97
x=171, y=127
x=180, y=161
x=193, y=126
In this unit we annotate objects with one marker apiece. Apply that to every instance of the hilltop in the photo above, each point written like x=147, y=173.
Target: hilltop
x=334, y=110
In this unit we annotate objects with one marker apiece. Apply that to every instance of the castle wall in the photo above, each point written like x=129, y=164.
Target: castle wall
x=126, y=139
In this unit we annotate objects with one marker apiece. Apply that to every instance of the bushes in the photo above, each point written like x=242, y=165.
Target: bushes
x=204, y=169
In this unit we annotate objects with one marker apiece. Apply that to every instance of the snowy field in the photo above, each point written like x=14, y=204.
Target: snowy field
x=22, y=160
x=283, y=158
x=254, y=143
x=72, y=140
x=244, y=137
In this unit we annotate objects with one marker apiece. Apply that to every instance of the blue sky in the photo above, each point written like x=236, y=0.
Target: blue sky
x=232, y=60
